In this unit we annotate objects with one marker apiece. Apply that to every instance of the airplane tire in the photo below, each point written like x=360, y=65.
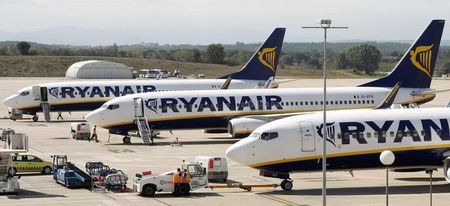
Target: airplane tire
x=35, y=118
x=286, y=185
x=126, y=140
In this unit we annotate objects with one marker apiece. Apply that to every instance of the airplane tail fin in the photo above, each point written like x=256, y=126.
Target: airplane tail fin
x=264, y=61
x=416, y=68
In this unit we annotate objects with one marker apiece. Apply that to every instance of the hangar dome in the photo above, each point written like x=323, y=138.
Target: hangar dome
x=94, y=69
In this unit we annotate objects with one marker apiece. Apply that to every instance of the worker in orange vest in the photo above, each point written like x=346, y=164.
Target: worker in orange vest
x=176, y=179
x=186, y=177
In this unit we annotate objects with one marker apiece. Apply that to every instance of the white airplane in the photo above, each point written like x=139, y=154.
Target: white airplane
x=90, y=95
x=419, y=138
x=241, y=111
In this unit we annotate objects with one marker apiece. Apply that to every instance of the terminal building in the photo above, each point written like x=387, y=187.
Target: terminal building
x=94, y=69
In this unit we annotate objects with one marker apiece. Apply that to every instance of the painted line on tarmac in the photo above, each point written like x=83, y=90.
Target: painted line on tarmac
x=279, y=200
x=160, y=201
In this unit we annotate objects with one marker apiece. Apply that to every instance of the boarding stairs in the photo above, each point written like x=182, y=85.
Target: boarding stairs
x=46, y=110
x=144, y=129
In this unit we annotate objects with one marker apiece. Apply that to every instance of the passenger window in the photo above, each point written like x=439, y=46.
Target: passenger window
x=392, y=134
x=369, y=135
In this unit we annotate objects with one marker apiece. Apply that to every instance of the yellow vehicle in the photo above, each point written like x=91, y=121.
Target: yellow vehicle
x=29, y=164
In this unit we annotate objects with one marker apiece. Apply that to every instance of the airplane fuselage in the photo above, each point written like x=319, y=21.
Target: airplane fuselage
x=419, y=138
x=90, y=95
x=213, y=109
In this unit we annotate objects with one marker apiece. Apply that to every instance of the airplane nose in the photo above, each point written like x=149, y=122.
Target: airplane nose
x=93, y=117
x=238, y=152
x=10, y=101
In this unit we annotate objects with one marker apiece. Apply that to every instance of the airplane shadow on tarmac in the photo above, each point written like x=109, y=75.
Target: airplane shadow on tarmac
x=22, y=194
x=191, y=196
x=378, y=190
x=201, y=142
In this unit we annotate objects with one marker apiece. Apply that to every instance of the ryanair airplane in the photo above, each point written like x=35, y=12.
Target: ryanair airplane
x=419, y=139
x=90, y=95
x=242, y=111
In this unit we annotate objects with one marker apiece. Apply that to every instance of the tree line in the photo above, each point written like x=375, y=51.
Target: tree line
x=364, y=58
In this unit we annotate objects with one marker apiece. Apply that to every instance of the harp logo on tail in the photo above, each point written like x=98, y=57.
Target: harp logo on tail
x=267, y=57
x=421, y=58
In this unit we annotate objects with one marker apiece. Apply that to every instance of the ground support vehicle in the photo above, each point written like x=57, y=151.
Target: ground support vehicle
x=68, y=174
x=148, y=185
x=16, y=143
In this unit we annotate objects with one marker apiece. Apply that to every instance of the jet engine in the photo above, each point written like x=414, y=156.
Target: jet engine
x=447, y=169
x=243, y=126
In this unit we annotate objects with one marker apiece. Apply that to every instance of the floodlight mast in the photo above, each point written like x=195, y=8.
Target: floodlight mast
x=324, y=24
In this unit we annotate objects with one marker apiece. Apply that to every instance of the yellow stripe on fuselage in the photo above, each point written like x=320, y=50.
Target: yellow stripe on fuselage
x=344, y=154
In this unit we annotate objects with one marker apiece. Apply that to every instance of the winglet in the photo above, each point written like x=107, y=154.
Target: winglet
x=226, y=84
x=389, y=99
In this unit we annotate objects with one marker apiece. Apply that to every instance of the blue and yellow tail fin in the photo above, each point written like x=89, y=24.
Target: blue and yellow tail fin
x=416, y=68
x=264, y=61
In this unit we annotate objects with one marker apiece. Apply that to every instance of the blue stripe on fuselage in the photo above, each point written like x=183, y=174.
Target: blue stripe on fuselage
x=73, y=107
x=430, y=157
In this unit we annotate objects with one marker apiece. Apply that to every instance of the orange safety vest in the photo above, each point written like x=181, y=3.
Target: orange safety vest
x=176, y=178
x=187, y=178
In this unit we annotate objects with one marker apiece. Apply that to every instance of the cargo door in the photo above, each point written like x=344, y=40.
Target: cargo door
x=138, y=107
x=307, y=136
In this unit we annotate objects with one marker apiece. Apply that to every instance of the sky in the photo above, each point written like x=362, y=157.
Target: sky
x=100, y=22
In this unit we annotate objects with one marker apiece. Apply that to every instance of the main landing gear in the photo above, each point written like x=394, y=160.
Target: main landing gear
x=126, y=140
x=35, y=118
x=286, y=184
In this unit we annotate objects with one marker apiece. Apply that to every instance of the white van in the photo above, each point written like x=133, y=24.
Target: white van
x=216, y=167
x=80, y=130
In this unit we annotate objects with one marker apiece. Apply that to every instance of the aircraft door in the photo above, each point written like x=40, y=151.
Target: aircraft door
x=307, y=136
x=36, y=91
x=44, y=94
x=138, y=107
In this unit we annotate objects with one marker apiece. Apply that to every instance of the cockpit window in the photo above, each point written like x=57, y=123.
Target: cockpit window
x=104, y=106
x=24, y=93
x=268, y=135
x=113, y=106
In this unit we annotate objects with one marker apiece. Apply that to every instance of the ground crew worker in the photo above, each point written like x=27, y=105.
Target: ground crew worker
x=176, y=179
x=94, y=134
x=186, y=177
x=60, y=116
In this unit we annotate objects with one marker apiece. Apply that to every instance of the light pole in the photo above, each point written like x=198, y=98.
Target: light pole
x=324, y=24
x=387, y=157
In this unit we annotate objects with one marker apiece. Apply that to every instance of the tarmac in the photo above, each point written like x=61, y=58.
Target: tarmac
x=46, y=139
